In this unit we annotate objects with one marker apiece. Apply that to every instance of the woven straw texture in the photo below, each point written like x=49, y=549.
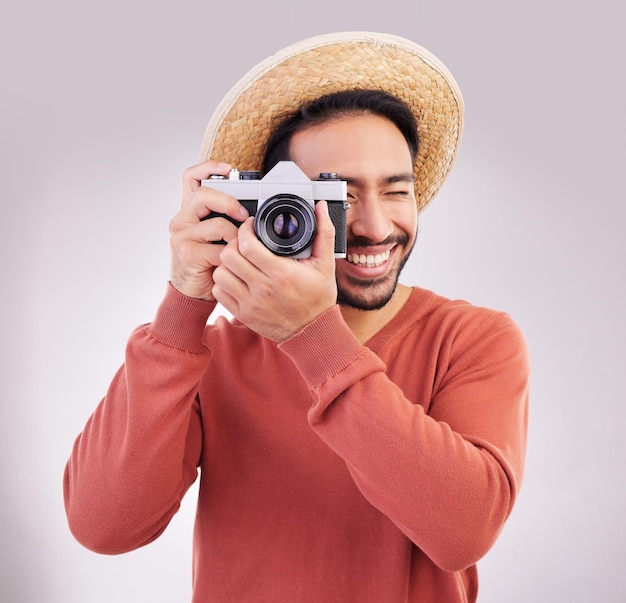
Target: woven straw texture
x=239, y=128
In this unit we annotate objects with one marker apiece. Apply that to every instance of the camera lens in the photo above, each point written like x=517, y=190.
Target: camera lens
x=285, y=224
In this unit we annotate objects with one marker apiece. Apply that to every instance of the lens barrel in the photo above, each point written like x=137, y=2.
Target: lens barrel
x=286, y=224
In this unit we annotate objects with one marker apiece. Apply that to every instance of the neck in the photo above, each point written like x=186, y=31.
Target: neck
x=366, y=323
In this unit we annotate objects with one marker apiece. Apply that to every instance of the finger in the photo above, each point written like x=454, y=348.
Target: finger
x=323, y=248
x=193, y=176
x=205, y=201
x=192, y=267
x=257, y=255
x=229, y=302
x=245, y=266
x=229, y=289
x=193, y=255
x=206, y=231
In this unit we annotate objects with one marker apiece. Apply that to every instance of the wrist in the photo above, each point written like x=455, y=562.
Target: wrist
x=188, y=288
x=180, y=320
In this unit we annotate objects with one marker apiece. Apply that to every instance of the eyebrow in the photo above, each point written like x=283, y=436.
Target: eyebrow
x=402, y=177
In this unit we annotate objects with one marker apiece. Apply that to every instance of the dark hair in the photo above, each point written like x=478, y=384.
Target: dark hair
x=336, y=104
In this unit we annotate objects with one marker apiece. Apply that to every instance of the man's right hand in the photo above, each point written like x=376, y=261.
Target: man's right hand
x=192, y=239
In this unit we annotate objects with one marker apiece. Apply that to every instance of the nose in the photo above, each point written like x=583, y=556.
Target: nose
x=367, y=218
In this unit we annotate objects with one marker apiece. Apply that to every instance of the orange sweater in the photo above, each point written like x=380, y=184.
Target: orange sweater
x=330, y=471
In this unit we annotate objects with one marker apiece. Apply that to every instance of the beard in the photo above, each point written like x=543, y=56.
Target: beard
x=376, y=293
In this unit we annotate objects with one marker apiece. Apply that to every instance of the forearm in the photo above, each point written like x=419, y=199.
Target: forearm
x=139, y=450
x=447, y=480
x=447, y=494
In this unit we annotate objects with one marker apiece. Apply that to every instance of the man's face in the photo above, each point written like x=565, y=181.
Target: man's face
x=370, y=153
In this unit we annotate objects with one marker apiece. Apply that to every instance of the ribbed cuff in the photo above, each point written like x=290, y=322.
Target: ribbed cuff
x=180, y=321
x=323, y=348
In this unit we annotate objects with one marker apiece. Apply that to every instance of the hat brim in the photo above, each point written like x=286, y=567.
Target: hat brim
x=240, y=126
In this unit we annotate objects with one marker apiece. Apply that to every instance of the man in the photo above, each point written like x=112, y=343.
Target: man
x=357, y=439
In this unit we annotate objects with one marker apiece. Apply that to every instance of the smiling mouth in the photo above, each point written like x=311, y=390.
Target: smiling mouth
x=370, y=261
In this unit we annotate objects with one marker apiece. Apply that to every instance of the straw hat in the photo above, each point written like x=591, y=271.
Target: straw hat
x=238, y=130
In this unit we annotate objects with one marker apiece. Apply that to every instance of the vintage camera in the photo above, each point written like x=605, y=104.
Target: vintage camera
x=283, y=203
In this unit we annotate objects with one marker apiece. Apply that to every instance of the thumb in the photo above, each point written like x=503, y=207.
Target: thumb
x=323, y=247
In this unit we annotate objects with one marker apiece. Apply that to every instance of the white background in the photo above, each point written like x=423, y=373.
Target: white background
x=104, y=105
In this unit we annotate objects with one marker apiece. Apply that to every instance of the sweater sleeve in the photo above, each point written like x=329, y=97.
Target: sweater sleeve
x=447, y=478
x=139, y=451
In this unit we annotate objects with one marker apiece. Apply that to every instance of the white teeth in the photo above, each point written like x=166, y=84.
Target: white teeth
x=360, y=259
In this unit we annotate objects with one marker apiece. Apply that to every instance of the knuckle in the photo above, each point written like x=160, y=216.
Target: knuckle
x=264, y=291
x=173, y=225
x=217, y=275
x=188, y=174
x=225, y=254
x=183, y=248
x=176, y=238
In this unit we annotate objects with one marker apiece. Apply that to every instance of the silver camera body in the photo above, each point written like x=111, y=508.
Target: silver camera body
x=283, y=206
